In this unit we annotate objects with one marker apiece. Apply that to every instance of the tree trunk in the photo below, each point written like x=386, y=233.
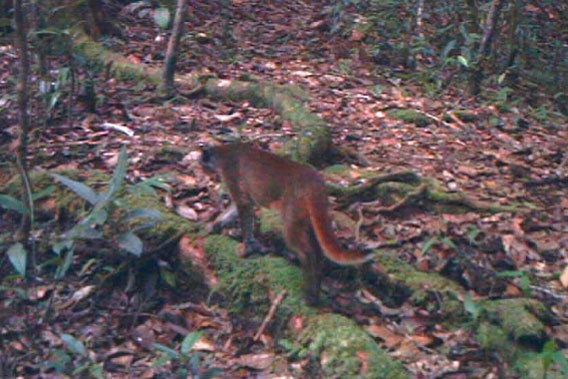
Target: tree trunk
x=173, y=47
x=488, y=36
x=21, y=156
x=101, y=26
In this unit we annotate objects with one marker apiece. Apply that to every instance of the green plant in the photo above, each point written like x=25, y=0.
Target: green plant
x=105, y=205
x=74, y=360
x=473, y=308
x=188, y=364
x=17, y=253
x=550, y=355
x=524, y=279
x=438, y=240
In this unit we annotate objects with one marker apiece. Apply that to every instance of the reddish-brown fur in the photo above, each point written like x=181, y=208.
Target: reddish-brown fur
x=296, y=191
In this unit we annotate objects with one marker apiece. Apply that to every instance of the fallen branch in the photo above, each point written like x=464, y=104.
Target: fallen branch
x=270, y=315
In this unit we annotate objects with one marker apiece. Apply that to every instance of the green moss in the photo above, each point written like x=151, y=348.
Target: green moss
x=492, y=337
x=426, y=288
x=334, y=342
x=170, y=153
x=417, y=280
x=65, y=199
x=410, y=116
x=169, y=223
x=338, y=169
x=121, y=67
x=248, y=282
x=520, y=318
x=531, y=365
x=508, y=322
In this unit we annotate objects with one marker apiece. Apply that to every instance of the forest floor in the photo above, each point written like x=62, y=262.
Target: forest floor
x=505, y=155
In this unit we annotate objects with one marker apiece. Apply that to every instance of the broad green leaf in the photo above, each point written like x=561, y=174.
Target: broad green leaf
x=48, y=191
x=161, y=361
x=117, y=177
x=171, y=352
x=189, y=342
x=428, y=245
x=74, y=345
x=79, y=188
x=148, y=185
x=97, y=217
x=8, y=202
x=162, y=17
x=61, y=246
x=64, y=267
x=143, y=213
x=449, y=243
x=463, y=61
x=471, y=307
x=131, y=243
x=17, y=255
x=448, y=48
x=83, y=230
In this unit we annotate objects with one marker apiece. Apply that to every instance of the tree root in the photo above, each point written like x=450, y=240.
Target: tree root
x=405, y=189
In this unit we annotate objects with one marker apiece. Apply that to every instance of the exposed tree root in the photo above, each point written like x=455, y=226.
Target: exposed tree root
x=406, y=188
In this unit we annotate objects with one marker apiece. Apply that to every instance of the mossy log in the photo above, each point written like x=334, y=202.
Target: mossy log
x=314, y=137
x=247, y=285
x=251, y=284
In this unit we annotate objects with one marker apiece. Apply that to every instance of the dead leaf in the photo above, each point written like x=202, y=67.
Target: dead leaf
x=191, y=250
x=518, y=226
x=187, y=180
x=204, y=344
x=229, y=117
x=187, y=212
x=564, y=277
x=364, y=357
x=390, y=338
x=357, y=35
x=256, y=361
x=423, y=339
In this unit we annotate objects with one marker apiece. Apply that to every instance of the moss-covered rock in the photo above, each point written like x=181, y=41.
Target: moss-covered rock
x=520, y=318
x=338, y=345
x=410, y=116
x=422, y=284
x=250, y=283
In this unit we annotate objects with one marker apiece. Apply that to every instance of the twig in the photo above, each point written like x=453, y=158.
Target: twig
x=358, y=225
x=418, y=193
x=437, y=119
x=266, y=135
x=549, y=293
x=271, y=313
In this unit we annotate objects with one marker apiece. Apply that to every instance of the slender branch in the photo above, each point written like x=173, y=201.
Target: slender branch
x=21, y=159
x=271, y=313
x=173, y=47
